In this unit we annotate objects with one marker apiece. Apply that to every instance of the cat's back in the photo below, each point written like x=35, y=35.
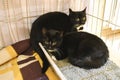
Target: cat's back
x=84, y=39
x=82, y=36
x=52, y=17
x=53, y=20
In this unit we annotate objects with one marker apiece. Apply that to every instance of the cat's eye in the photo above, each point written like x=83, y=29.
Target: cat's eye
x=46, y=42
x=83, y=18
x=77, y=19
x=54, y=43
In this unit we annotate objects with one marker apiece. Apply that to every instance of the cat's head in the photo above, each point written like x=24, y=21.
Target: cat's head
x=77, y=18
x=51, y=38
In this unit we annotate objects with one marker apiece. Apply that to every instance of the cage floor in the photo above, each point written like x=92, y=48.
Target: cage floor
x=110, y=71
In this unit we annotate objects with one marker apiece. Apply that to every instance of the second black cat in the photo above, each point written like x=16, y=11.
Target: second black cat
x=84, y=50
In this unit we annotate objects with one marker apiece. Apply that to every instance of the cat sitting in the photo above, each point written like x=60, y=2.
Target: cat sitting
x=84, y=50
x=77, y=19
x=49, y=29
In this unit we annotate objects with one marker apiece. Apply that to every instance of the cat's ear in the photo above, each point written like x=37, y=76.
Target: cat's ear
x=70, y=10
x=84, y=10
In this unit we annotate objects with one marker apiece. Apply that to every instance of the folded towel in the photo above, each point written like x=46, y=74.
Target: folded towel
x=19, y=62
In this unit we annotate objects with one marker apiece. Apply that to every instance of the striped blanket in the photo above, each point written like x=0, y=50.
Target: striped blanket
x=20, y=62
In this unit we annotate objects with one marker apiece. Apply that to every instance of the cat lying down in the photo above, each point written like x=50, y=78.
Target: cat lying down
x=84, y=50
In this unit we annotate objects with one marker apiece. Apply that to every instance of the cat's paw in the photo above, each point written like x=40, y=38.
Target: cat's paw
x=58, y=54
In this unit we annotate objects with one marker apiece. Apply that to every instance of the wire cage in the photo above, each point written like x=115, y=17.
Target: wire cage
x=16, y=17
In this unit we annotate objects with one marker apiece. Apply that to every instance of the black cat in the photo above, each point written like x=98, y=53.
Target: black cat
x=49, y=29
x=77, y=19
x=85, y=50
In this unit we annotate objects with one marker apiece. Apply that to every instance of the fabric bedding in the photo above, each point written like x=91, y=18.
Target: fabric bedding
x=20, y=62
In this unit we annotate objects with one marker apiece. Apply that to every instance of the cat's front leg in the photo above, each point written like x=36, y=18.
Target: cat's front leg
x=58, y=53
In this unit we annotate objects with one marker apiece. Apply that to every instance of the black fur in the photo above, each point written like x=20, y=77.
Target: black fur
x=77, y=18
x=85, y=50
x=49, y=29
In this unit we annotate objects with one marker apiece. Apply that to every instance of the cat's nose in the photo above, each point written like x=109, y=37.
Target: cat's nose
x=50, y=48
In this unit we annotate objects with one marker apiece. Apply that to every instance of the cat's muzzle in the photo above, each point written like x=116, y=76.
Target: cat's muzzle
x=78, y=27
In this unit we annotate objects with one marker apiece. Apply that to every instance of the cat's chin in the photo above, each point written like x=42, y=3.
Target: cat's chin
x=78, y=27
